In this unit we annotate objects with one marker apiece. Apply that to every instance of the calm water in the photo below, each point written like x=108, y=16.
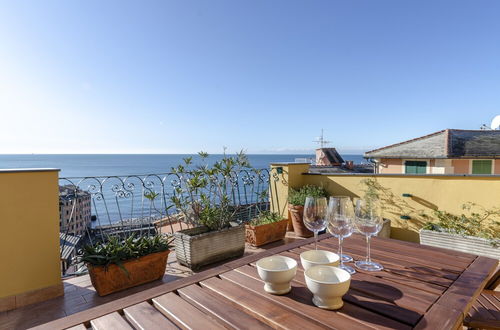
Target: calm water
x=120, y=165
x=113, y=207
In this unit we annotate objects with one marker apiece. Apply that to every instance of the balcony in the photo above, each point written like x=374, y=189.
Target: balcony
x=120, y=206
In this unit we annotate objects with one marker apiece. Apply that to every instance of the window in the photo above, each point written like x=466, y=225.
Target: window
x=415, y=167
x=481, y=166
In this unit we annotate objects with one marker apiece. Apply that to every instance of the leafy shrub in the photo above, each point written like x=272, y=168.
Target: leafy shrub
x=203, y=194
x=265, y=218
x=475, y=221
x=116, y=251
x=298, y=197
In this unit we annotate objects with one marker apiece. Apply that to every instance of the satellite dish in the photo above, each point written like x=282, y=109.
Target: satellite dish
x=495, y=123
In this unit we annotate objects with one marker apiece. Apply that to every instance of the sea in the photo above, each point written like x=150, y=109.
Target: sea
x=123, y=165
x=128, y=203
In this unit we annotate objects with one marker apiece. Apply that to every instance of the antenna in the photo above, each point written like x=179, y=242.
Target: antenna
x=495, y=123
x=320, y=140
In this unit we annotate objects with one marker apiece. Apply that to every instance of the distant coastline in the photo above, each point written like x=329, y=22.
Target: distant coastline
x=80, y=165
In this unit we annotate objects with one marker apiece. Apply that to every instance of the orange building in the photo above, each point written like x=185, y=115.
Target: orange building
x=450, y=151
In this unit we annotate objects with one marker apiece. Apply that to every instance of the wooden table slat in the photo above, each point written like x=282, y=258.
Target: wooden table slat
x=144, y=316
x=121, y=303
x=78, y=327
x=359, y=298
x=390, y=276
x=442, y=256
x=184, y=314
x=300, y=299
x=442, y=318
x=220, y=308
x=113, y=321
x=391, y=291
x=465, y=290
x=426, y=249
x=427, y=260
x=493, y=297
x=402, y=266
x=261, y=307
x=422, y=267
x=421, y=286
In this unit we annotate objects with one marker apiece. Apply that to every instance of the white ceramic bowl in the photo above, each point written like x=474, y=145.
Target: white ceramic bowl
x=328, y=284
x=277, y=272
x=312, y=258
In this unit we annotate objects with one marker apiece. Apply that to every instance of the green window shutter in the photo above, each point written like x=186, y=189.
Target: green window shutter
x=415, y=167
x=481, y=166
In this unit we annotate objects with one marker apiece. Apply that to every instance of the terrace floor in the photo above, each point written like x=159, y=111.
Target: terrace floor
x=79, y=294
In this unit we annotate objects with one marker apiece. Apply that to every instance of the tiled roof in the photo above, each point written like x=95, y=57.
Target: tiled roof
x=450, y=143
x=484, y=143
x=332, y=155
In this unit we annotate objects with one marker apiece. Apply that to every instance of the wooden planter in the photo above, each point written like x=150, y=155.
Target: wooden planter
x=263, y=234
x=467, y=244
x=297, y=212
x=112, y=278
x=197, y=247
x=385, y=232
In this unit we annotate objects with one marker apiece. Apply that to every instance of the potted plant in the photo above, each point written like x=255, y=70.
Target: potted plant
x=476, y=231
x=266, y=228
x=203, y=196
x=116, y=265
x=296, y=201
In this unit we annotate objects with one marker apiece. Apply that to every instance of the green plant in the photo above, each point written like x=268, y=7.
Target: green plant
x=116, y=251
x=204, y=194
x=298, y=197
x=475, y=221
x=265, y=218
x=371, y=189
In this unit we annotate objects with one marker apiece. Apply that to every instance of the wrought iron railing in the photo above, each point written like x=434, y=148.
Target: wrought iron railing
x=93, y=208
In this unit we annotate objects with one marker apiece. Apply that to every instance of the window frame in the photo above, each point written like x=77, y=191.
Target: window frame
x=426, y=161
x=471, y=164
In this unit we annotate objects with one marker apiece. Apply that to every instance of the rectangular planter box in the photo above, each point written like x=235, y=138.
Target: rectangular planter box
x=263, y=234
x=385, y=232
x=467, y=244
x=197, y=247
x=112, y=278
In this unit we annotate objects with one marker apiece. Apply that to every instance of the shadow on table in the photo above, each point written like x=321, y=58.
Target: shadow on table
x=380, y=298
x=371, y=303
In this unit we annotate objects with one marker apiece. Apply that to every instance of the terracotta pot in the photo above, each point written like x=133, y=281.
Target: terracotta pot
x=112, y=278
x=297, y=211
x=263, y=234
x=289, y=226
x=197, y=247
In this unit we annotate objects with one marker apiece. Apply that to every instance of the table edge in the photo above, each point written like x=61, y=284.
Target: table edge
x=474, y=269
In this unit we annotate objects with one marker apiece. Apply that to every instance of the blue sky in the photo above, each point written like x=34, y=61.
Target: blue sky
x=265, y=76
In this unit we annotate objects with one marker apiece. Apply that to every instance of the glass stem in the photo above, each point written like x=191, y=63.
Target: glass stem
x=368, y=257
x=315, y=240
x=340, y=251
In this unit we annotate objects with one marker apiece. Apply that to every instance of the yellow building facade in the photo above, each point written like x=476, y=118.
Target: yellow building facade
x=424, y=193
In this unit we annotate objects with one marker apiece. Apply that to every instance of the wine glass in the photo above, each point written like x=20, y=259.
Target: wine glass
x=340, y=225
x=315, y=216
x=368, y=221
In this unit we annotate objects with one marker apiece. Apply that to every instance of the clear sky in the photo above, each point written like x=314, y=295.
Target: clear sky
x=265, y=76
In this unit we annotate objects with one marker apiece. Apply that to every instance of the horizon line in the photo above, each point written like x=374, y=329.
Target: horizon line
x=266, y=153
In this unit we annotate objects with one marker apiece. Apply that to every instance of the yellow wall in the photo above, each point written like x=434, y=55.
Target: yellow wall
x=290, y=177
x=29, y=231
x=429, y=193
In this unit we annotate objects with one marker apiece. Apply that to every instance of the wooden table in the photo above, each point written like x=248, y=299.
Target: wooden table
x=420, y=287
